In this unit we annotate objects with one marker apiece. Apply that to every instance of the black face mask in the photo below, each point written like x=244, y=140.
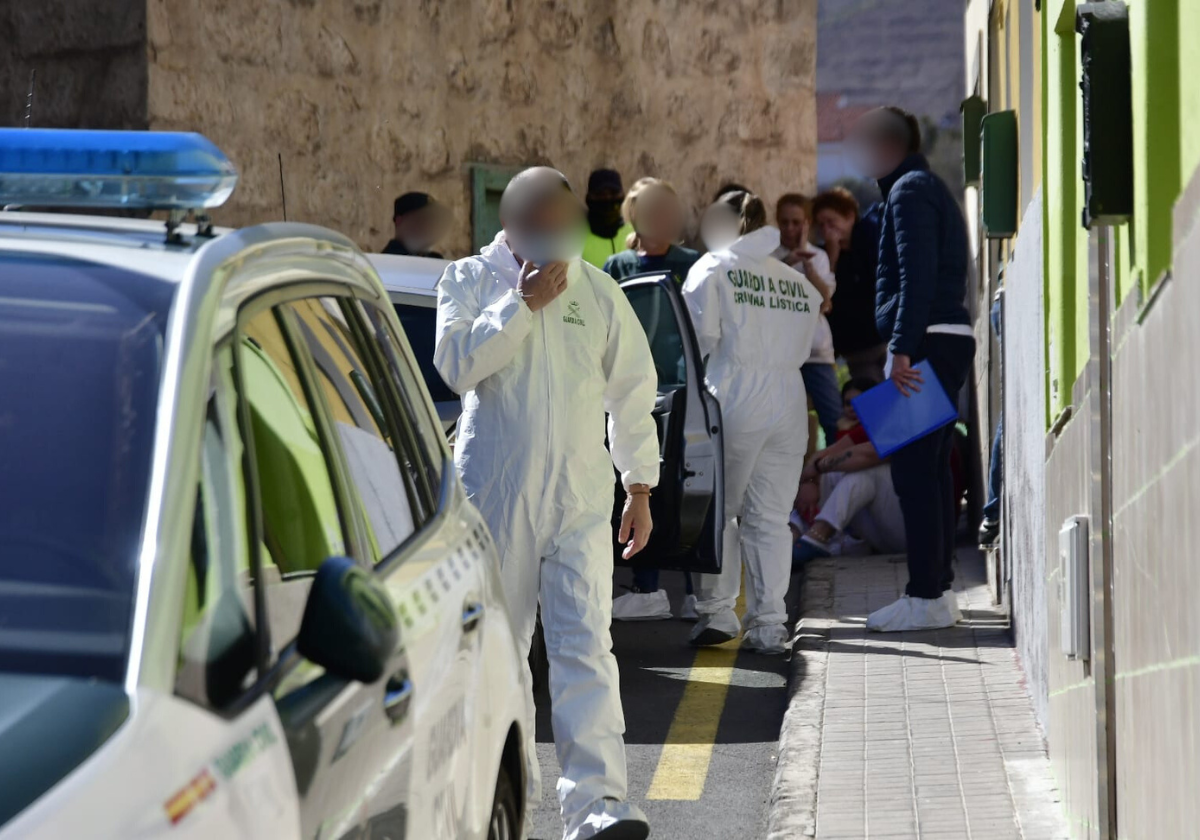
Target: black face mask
x=604, y=217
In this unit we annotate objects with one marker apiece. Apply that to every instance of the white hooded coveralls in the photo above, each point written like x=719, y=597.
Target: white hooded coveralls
x=531, y=450
x=755, y=318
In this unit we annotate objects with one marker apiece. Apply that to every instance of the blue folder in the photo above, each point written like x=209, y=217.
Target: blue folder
x=893, y=421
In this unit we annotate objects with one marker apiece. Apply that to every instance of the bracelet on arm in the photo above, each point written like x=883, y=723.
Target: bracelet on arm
x=638, y=490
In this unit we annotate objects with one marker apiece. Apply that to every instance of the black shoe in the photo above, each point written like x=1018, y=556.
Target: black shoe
x=989, y=530
x=710, y=637
x=624, y=830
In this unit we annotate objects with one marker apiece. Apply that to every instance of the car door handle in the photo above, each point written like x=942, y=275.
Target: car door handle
x=397, y=696
x=472, y=612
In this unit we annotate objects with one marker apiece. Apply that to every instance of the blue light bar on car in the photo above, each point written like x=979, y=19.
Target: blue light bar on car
x=41, y=167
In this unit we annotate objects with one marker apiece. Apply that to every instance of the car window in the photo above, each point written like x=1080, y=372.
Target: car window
x=652, y=305
x=368, y=443
x=217, y=639
x=420, y=326
x=301, y=522
x=408, y=386
x=81, y=349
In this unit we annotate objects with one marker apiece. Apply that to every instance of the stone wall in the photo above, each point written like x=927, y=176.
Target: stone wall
x=89, y=56
x=365, y=99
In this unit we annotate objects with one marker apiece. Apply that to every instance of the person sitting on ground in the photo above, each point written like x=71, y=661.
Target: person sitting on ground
x=420, y=222
x=851, y=486
x=653, y=209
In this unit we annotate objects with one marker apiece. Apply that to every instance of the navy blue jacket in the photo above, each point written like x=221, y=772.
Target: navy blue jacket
x=852, y=319
x=923, y=255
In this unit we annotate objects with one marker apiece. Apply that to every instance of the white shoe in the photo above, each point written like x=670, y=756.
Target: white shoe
x=769, y=638
x=609, y=819
x=688, y=611
x=951, y=599
x=911, y=614
x=642, y=606
x=715, y=629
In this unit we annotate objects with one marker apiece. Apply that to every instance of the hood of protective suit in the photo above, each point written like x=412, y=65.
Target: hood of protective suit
x=755, y=318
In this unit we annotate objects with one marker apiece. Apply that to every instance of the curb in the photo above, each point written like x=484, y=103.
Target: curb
x=792, y=811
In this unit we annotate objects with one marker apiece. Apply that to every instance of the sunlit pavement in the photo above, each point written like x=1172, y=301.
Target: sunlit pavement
x=702, y=731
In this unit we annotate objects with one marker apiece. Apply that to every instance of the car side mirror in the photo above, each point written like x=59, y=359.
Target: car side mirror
x=349, y=627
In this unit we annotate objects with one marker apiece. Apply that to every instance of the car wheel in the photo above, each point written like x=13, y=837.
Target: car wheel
x=505, y=824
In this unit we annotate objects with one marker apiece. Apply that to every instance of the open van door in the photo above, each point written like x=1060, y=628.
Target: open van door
x=688, y=504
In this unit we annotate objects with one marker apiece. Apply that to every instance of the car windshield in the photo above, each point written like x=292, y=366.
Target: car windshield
x=80, y=353
x=420, y=325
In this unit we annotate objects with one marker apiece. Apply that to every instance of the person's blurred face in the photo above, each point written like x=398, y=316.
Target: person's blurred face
x=658, y=216
x=719, y=226
x=793, y=226
x=421, y=229
x=848, y=404
x=834, y=227
x=551, y=230
x=874, y=151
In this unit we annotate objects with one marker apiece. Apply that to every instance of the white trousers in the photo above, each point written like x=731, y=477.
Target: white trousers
x=762, y=472
x=570, y=574
x=865, y=505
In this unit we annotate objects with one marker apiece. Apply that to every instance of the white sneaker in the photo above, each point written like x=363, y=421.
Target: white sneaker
x=769, y=638
x=688, y=611
x=715, y=629
x=951, y=599
x=642, y=606
x=911, y=614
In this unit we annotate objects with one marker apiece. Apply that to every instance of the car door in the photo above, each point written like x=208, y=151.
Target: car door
x=688, y=503
x=439, y=591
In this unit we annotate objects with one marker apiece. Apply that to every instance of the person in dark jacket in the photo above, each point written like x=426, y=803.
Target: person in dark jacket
x=852, y=243
x=920, y=310
x=420, y=222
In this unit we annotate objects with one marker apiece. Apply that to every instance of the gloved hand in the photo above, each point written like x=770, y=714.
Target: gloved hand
x=539, y=286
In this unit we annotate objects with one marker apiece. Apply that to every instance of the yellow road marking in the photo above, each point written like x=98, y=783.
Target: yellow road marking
x=686, y=753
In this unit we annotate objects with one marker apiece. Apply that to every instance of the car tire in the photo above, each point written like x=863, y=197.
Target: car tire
x=505, y=822
x=539, y=661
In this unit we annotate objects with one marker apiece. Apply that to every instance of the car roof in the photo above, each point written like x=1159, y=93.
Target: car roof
x=406, y=275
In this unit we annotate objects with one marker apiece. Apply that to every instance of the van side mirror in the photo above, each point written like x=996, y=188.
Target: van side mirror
x=349, y=627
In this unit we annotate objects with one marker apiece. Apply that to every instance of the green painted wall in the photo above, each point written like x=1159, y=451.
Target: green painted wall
x=1166, y=138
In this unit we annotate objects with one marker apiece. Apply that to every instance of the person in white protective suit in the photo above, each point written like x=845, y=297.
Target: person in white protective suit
x=755, y=318
x=541, y=346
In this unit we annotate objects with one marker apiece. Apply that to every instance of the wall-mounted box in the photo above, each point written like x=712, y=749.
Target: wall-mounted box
x=1107, y=112
x=973, y=109
x=1074, y=593
x=998, y=135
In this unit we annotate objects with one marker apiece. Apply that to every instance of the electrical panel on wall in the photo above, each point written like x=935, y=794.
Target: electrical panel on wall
x=1107, y=112
x=1074, y=589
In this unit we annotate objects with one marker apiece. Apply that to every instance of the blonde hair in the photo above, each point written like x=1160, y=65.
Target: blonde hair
x=629, y=206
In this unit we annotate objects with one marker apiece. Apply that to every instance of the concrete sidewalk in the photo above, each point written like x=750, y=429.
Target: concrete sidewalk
x=912, y=735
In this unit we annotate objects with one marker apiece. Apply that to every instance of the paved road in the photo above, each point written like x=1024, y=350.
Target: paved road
x=702, y=731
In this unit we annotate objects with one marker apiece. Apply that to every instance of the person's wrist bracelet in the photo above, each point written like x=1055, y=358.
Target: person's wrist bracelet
x=638, y=490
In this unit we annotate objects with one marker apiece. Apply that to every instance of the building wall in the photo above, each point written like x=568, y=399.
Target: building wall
x=367, y=99
x=89, y=59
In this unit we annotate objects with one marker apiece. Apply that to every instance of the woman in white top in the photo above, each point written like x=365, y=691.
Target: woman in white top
x=755, y=318
x=793, y=215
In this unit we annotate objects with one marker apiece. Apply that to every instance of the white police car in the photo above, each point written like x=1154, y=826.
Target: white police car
x=241, y=591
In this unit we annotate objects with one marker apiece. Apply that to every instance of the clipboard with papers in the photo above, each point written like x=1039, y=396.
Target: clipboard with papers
x=893, y=421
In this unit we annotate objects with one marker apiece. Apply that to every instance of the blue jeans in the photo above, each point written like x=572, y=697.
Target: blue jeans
x=820, y=381
x=646, y=580
x=991, y=510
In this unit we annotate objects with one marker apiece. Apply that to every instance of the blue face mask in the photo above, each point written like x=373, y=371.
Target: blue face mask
x=544, y=248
